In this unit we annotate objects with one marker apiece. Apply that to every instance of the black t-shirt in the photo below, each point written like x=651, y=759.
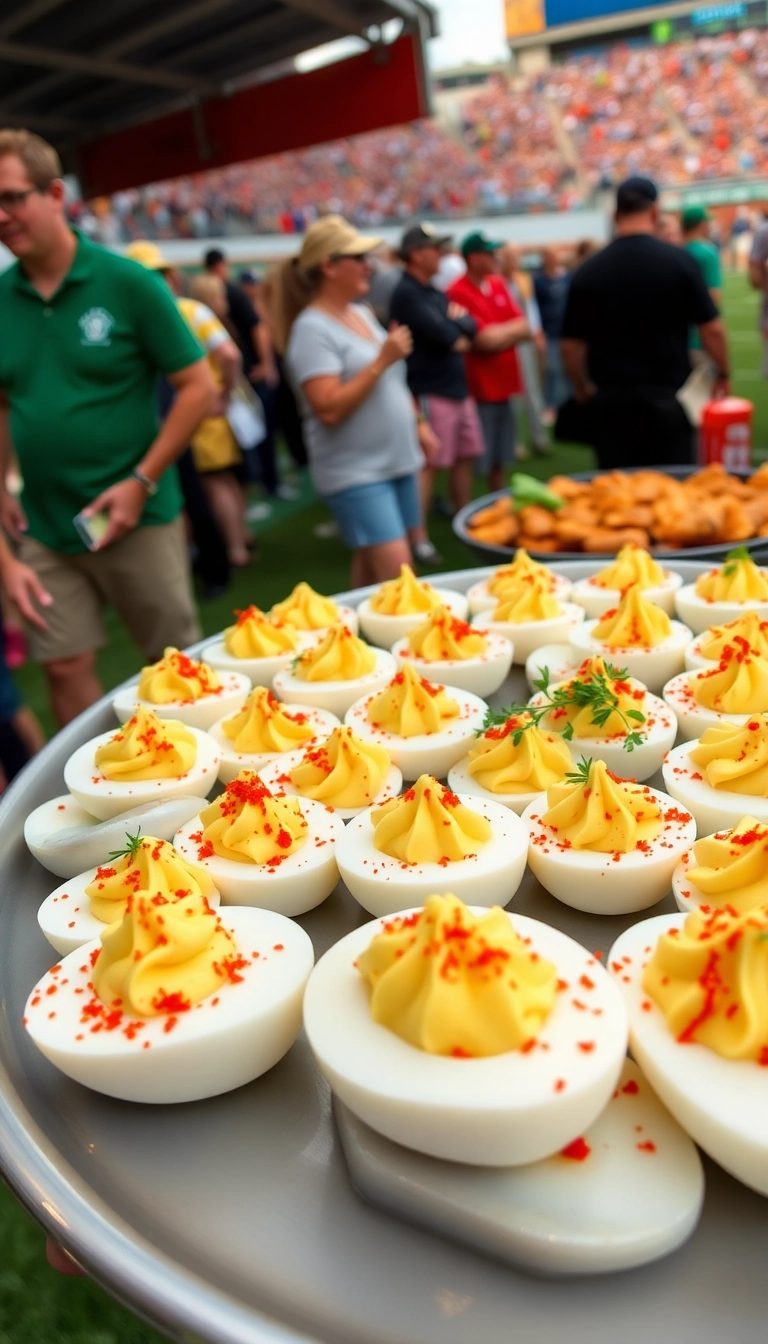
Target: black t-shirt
x=633, y=304
x=243, y=318
x=434, y=369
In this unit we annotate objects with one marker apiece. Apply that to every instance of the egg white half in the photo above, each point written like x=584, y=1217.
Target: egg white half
x=721, y=1103
x=276, y=777
x=560, y=660
x=302, y=881
x=335, y=696
x=383, y=886
x=106, y=798
x=232, y=762
x=427, y=753
x=259, y=671
x=65, y=916
x=694, y=719
x=653, y=667
x=384, y=630
x=503, y=1110
x=195, y=713
x=597, y=600
x=608, y=884
x=219, y=1044
x=659, y=732
x=528, y=636
x=714, y=809
x=699, y=614
x=482, y=676
x=480, y=599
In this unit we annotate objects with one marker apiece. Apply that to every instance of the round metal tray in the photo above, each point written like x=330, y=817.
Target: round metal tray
x=486, y=551
x=233, y=1220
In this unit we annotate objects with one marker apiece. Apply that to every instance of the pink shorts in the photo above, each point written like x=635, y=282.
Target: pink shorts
x=457, y=426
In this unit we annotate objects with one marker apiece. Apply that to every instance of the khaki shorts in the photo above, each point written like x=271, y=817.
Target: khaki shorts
x=144, y=576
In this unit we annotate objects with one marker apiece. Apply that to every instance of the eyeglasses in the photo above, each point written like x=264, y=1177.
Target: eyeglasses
x=351, y=256
x=13, y=201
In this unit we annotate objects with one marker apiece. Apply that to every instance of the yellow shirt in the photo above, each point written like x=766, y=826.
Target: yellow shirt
x=213, y=444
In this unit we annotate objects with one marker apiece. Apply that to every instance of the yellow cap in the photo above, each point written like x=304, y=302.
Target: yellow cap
x=147, y=254
x=330, y=237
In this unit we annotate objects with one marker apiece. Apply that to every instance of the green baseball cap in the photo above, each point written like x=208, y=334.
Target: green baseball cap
x=477, y=242
x=692, y=216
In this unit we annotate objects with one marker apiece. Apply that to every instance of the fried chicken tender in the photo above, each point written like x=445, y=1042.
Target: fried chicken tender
x=613, y=538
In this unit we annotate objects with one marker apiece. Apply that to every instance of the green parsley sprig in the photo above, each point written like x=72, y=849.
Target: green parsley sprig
x=595, y=694
x=732, y=558
x=134, y=843
x=581, y=774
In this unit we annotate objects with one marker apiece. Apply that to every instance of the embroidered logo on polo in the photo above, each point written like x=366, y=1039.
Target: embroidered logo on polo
x=95, y=326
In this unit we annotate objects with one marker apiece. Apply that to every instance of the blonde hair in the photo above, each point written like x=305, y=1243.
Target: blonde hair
x=208, y=289
x=287, y=290
x=41, y=162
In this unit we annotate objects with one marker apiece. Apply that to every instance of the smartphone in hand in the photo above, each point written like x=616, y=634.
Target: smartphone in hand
x=91, y=529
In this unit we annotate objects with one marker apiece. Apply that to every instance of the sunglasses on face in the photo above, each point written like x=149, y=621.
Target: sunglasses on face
x=351, y=256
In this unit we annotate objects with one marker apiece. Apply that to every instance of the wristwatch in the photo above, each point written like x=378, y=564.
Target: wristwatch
x=150, y=486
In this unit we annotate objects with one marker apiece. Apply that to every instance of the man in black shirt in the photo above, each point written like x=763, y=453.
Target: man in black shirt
x=441, y=332
x=625, y=337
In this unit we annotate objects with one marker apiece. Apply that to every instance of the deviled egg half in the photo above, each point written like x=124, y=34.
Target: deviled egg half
x=723, y=775
x=344, y=772
x=466, y=1033
x=512, y=762
x=180, y=688
x=265, y=729
x=426, y=728
x=721, y=595
x=255, y=645
x=606, y=715
x=727, y=871
x=606, y=845
x=747, y=631
x=637, y=636
x=486, y=594
x=263, y=849
x=145, y=761
x=694, y=988
x=175, y=1002
x=428, y=838
x=446, y=649
x=80, y=909
x=311, y=614
x=529, y=615
x=335, y=672
x=632, y=565
x=401, y=604
x=732, y=690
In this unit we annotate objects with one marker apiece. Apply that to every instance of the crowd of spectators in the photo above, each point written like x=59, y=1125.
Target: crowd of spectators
x=679, y=112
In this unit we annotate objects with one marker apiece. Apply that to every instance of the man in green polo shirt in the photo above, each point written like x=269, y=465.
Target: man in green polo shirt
x=83, y=336
x=694, y=222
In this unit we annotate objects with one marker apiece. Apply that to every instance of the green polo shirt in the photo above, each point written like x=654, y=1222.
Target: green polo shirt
x=708, y=258
x=79, y=371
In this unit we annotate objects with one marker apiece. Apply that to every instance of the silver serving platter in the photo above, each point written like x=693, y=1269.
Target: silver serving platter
x=233, y=1220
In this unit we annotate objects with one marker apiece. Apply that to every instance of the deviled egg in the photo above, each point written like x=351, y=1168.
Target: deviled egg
x=180, y=688
x=694, y=987
x=607, y=716
x=255, y=645
x=725, y=871
x=264, y=729
x=79, y=910
x=312, y=614
x=632, y=565
x=606, y=845
x=399, y=605
x=513, y=761
x=723, y=775
x=529, y=615
x=485, y=595
x=344, y=772
x=733, y=689
x=637, y=636
x=425, y=728
x=66, y=839
x=430, y=838
x=175, y=1003
x=746, y=632
x=145, y=761
x=721, y=595
x=448, y=650
x=335, y=672
x=264, y=849
x=467, y=1034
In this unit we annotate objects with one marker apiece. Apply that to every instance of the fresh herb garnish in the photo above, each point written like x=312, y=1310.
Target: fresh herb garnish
x=581, y=774
x=594, y=694
x=732, y=558
x=131, y=849
x=527, y=490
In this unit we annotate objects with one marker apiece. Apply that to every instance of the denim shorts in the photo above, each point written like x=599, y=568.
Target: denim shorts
x=370, y=515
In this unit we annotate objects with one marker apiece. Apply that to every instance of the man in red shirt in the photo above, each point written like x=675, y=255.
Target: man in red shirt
x=493, y=373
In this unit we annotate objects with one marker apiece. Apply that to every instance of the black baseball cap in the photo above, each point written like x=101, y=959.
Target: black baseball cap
x=635, y=195
x=422, y=235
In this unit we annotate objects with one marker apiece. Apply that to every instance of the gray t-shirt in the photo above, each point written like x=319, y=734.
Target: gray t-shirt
x=378, y=441
x=760, y=254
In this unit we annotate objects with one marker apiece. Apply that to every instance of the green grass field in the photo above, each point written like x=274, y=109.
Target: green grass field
x=36, y=1305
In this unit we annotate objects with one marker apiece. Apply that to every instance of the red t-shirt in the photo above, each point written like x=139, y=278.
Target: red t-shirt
x=491, y=377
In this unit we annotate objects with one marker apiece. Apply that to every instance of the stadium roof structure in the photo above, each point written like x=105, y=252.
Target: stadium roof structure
x=132, y=91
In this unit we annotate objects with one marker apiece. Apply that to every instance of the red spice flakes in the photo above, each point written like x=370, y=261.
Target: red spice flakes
x=646, y=1006
x=232, y=967
x=647, y=1147
x=96, y=953
x=170, y=1023
x=674, y=814
x=145, y=1045
x=630, y=1088
x=560, y=1085
x=578, y=1151
x=598, y=955
x=586, y=1046
x=561, y=985
x=585, y=982
x=528, y=1045
x=278, y=947
x=762, y=1058
x=171, y=1003
x=61, y=807
x=458, y=1052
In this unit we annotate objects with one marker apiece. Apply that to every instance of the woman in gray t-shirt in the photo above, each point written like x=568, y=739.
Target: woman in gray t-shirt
x=359, y=417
